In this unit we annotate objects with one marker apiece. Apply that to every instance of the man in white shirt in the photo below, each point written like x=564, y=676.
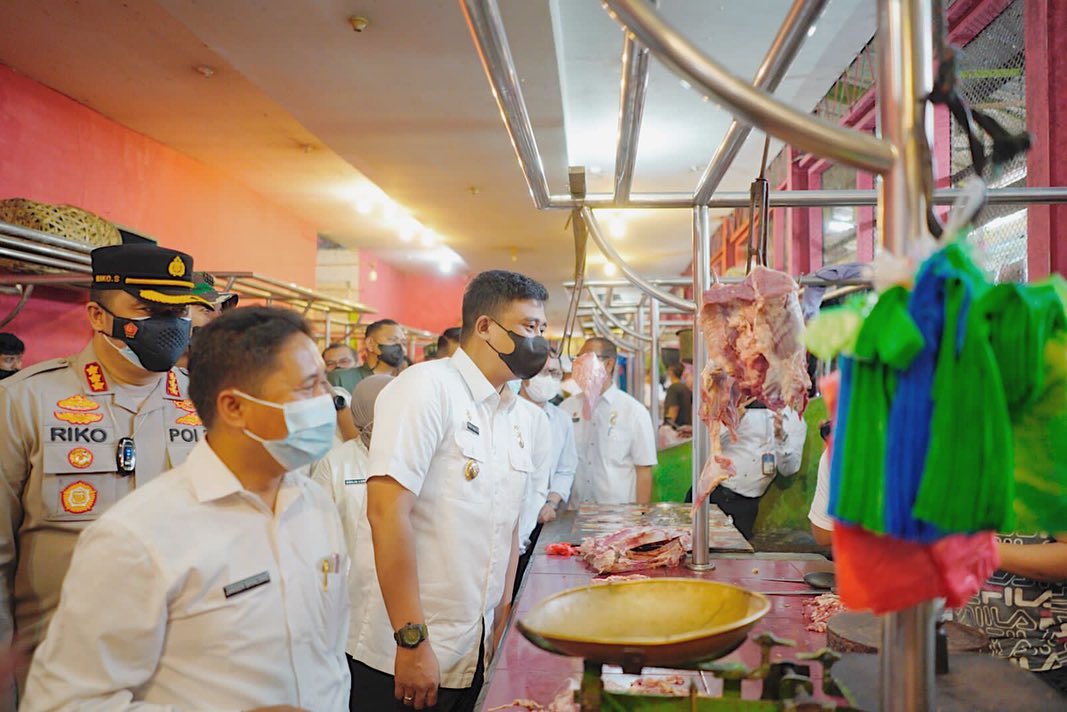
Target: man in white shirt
x=768, y=444
x=617, y=446
x=343, y=474
x=822, y=524
x=552, y=486
x=449, y=466
x=220, y=584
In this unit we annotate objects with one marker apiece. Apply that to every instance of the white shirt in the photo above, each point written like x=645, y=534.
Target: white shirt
x=755, y=436
x=618, y=439
x=565, y=463
x=819, y=514
x=160, y=609
x=343, y=474
x=434, y=424
x=550, y=451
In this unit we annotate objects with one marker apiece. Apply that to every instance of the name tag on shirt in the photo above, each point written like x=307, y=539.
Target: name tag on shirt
x=360, y=481
x=473, y=428
x=246, y=584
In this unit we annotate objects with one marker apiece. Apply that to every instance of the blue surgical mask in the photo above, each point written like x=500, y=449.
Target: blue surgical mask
x=311, y=425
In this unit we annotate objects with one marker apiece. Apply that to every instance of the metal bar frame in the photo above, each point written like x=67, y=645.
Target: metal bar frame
x=613, y=320
x=780, y=56
x=653, y=361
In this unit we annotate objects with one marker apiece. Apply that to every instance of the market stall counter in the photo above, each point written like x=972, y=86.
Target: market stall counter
x=522, y=671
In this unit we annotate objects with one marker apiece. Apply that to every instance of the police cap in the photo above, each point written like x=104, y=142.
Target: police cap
x=149, y=272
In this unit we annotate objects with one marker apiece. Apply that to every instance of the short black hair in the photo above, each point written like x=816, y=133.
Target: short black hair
x=677, y=369
x=236, y=351
x=339, y=345
x=489, y=292
x=377, y=326
x=604, y=348
x=11, y=345
x=101, y=296
x=452, y=334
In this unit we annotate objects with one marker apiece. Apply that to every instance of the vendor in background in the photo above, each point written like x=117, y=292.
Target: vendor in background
x=339, y=357
x=822, y=525
x=1022, y=608
x=768, y=444
x=678, y=403
x=449, y=463
x=617, y=446
x=200, y=315
x=79, y=433
x=343, y=474
x=11, y=350
x=544, y=497
x=447, y=343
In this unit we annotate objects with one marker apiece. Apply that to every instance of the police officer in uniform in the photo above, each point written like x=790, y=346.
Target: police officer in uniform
x=81, y=432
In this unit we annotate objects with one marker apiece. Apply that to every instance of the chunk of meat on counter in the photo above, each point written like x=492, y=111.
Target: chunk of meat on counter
x=519, y=704
x=635, y=548
x=562, y=548
x=676, y=685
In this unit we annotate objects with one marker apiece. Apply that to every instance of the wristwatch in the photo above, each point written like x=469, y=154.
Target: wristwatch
x=410, y=635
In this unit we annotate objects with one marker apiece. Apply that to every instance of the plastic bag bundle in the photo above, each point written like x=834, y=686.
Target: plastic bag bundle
x=887, y=342
x=968, y=482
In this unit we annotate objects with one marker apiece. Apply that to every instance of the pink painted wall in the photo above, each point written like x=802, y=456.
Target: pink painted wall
x=55, y=150
x=423, y=300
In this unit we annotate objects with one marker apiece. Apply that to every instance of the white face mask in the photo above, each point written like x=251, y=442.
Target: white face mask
x=310, y=425
x=542, y=388
x=514, y=386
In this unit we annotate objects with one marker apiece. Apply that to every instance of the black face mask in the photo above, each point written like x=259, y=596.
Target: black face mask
x=157, y=341
x=5, y=373
x=391, y=354
x=529, y=356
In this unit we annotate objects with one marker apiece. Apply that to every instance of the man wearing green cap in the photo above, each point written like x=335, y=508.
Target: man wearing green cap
x=200, y=315
x=81, y=432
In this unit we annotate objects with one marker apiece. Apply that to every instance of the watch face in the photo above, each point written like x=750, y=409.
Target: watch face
x=411, y=636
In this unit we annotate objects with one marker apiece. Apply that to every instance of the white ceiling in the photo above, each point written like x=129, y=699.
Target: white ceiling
x=313, y=115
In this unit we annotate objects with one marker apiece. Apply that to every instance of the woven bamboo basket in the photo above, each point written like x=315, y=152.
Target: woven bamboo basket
x=60, y=220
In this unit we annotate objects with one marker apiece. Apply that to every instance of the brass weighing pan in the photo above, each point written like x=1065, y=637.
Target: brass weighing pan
x=656, y=622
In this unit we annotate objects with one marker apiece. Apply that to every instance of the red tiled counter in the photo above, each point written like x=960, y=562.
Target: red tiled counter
x=520, y=670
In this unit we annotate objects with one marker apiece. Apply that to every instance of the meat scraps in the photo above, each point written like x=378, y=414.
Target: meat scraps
x=635, y=548
x=562, y=548
x=755, y=336
x=820, y=610
x=674, y=685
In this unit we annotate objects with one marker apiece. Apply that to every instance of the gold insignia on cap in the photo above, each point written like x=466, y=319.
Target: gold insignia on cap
x=471, y=470
x=176, y=268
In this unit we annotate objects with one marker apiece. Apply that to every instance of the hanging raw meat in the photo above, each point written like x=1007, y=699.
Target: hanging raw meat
x=755, y=336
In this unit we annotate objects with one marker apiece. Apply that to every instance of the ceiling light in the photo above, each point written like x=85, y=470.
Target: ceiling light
x=408, y=229
x=393, y=215
x=373, y=274
x=609, y=269
x=364, y=204
x=617, y=228
x=596, y=170
x=811, y=30
x=685, y=85
x=429, y=238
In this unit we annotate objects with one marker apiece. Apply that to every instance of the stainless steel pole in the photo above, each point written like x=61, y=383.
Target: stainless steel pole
x=784, y=49
x=490, y=39
x=807, y=198
x=639, y=357
x=905, y=75
x=653, y=361
x=701, y=558
x=634, y=86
